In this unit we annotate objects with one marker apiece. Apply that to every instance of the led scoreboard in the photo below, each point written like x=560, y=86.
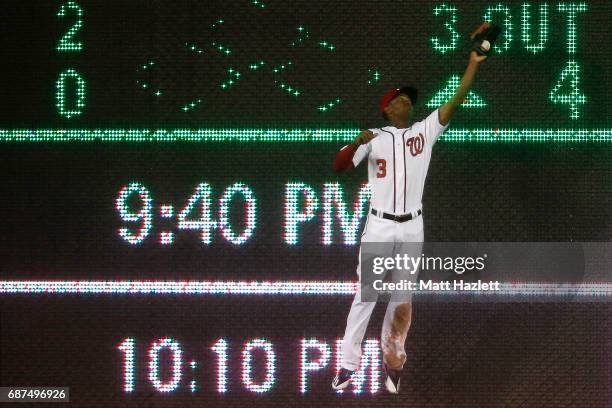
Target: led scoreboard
x=174, y=235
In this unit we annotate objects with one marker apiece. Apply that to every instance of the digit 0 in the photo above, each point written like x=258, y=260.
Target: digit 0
x=66, y=108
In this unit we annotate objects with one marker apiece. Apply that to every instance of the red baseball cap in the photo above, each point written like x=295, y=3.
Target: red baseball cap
x=389, y=95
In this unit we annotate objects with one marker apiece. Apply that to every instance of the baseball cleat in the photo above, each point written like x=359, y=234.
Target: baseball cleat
x=342, y=379
x=392, y=383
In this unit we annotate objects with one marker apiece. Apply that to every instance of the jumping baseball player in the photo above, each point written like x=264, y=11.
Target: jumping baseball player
x=397, y=158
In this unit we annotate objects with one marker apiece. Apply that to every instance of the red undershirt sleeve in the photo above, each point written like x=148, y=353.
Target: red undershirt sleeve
x=344, y=158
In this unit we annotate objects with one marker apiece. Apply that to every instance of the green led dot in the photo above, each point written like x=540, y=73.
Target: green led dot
x=329, y=105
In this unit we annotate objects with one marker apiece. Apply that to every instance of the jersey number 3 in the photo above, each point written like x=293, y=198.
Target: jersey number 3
x=382, y=168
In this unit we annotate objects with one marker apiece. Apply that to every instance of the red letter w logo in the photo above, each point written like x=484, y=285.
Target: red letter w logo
x=416, y=144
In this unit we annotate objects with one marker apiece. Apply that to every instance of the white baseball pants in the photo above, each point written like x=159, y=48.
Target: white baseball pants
x=398, y=314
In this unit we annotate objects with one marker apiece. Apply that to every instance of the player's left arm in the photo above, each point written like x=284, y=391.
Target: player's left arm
x=483, y=31
x=446, y=111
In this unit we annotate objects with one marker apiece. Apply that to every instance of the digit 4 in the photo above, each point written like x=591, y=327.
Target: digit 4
x=570, y=79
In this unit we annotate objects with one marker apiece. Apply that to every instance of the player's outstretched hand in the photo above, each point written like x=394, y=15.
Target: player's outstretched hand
x=483, y=39
x=474, y=57
x=364, y=137
x=478, y=32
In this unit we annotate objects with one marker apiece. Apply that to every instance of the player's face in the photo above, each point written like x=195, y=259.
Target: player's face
x=401, y=107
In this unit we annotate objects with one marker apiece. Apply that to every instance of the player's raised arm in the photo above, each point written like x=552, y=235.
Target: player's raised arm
x=351, y=155
x=484, y=36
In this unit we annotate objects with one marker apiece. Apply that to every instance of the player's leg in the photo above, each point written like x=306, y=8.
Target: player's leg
x=356, y=325
x=398, y=315
x=396, y=324
x=360, y=312
x=395, y=329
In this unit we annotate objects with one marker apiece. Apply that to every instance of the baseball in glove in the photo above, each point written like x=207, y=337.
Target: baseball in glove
x=484, y=37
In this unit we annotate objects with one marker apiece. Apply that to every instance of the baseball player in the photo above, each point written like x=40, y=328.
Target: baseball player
x=397, y=158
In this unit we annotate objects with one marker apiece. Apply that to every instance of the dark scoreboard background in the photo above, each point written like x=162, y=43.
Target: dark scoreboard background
x=165, y=141
x=289, y=60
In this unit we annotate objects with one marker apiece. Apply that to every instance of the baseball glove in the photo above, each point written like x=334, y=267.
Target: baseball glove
x=484, y=37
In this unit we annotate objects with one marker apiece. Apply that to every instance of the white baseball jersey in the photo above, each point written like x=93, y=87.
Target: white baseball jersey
x=398, y=160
